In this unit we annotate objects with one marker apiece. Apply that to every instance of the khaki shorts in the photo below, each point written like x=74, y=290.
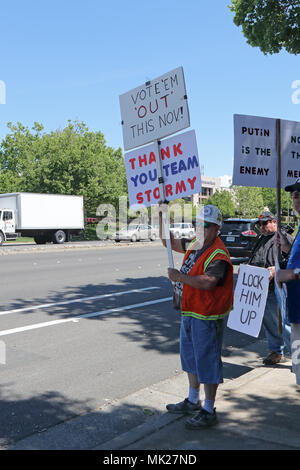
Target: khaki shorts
x=295, y=343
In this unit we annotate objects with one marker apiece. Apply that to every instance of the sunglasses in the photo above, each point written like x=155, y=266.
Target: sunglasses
x=203, y=224
x=264, y=223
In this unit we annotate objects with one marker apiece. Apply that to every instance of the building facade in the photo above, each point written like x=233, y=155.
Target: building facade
x=209, y=185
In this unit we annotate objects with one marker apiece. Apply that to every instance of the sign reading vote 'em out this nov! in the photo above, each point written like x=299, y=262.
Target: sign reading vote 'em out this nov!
x=250, y=298
x=180, y=170
x=255, y=151
x=154, y=110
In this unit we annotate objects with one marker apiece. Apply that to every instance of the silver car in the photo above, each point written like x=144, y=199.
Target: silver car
x=136, y=232
x=182, y=230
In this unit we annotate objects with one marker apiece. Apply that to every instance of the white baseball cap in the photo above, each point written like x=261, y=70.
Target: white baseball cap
x=210, y=213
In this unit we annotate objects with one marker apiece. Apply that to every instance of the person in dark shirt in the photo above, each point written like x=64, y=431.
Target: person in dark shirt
x=264, y=255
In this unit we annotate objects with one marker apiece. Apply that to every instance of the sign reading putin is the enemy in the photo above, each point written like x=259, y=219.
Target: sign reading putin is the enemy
x=154, y=110
x=255, y=154
x=250, y=298
x=180, y=169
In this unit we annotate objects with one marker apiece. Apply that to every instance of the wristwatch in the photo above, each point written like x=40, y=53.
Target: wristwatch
x=297, y=273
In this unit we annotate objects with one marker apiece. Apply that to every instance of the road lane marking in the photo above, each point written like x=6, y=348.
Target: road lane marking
x=82, y=299
x=78, y=317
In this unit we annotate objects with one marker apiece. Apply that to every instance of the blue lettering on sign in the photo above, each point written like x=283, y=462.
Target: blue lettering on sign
x=192, y=162
x=169, y=169
x=143, y=177
x=178, y=167
x=181, y=166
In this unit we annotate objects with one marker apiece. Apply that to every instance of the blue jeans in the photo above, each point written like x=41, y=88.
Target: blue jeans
x=276, y=341
x=286, y=326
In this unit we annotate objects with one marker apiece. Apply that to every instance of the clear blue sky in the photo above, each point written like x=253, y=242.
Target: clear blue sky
x=71, y=59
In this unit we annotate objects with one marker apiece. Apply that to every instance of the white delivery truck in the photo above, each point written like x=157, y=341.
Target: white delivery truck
x=45, y=217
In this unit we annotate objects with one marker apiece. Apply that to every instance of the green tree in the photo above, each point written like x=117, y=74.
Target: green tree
x=224, y=202
x=271, y=25
x=270, y=200
x=68, y=161
x=249, y=201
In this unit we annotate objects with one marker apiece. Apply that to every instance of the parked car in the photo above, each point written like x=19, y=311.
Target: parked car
x=182, y=230
x=136, y=232
x=93, y=220
x=239, y=236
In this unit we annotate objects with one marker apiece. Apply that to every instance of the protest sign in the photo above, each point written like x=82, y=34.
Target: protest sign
x=250, y=298
x=180, y=168
x=255, y=153
x=154, y=110
x=290, y=152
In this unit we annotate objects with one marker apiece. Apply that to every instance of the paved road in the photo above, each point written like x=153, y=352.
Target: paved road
x=82, y=328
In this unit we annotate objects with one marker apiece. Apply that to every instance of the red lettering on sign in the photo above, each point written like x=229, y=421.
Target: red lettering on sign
x=132, y=160
x=140, y=198
x=192, y=182
x=169, y=190
x=165, y=152
x=143, y=160
x=148, y=192
x=180, y=187
x=156, y=193
x=152, y=158
x=177, y=149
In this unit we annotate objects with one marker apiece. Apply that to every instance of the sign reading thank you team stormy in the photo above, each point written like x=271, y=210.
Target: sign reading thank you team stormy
x=180, y=169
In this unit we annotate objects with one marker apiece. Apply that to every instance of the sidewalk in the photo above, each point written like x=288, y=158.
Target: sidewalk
x=259, y=409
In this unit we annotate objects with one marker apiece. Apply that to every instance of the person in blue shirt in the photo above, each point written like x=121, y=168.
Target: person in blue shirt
x=291, y=276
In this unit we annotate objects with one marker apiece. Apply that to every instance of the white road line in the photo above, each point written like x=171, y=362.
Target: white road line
x=82, y=299
x=87, y=315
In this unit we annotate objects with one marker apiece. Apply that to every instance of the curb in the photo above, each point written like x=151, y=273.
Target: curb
x=83, y=432
x=146, y=429
x=55, y=248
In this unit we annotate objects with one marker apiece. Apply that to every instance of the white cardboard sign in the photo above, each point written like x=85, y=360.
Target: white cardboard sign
x=255, y=154
x=250, y=298
x=180, y=170
x=154, y=110
x=290, y=152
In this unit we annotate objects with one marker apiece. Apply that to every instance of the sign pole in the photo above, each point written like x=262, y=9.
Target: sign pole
x=278, y=144
x=166, y=229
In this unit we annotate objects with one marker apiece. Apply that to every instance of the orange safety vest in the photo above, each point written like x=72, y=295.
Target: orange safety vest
x=204, y=304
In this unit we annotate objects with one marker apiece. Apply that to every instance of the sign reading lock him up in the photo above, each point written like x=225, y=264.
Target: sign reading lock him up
x=250, y=298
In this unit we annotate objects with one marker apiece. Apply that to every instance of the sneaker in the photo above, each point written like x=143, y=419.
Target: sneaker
x=273, y=358
x=184, y=407
x=201, y=420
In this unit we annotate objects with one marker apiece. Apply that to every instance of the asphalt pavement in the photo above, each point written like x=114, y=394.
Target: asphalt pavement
x=257, y=406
